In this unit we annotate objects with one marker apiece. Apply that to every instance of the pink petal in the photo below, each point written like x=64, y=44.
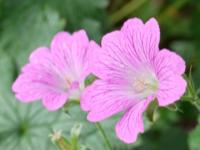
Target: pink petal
x=38, y=78
x=122, y=51
x=40, y=55
x=80, y=51
x=171, y=89
x=131, y=124
x=71, y=52
x=171, y=60
x=41, y=60
x=169, y=67
x=144, y=39
x=25, y=91
x=35, y=81
x=151, y=37
x=103, y=100
x=113, y=60
x=53, y=101
x=60, y=48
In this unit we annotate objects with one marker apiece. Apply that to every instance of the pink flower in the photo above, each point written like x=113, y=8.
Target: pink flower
x=55, y=74
x=132, y=73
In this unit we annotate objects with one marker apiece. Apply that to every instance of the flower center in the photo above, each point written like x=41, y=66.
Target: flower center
x=68, y=82
x=73, y=88
x=144, y=84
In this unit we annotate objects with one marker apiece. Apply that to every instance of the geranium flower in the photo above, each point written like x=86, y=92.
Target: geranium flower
x=55, y=74
x=132, y=73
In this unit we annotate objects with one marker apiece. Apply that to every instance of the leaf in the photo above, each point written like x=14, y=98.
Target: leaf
x=7, y=71
x=26, y=127
x=93, y=27
x=91, y=15
x=194, y=139
x=36, y=27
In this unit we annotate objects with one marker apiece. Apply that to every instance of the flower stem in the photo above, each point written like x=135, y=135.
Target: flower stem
x=103, y=134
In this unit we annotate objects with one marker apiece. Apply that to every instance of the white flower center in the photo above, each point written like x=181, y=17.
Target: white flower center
x=144, y=84
x=73, y=87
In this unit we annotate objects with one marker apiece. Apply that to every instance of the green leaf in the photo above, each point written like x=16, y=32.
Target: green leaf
x=91, y=15
x=194, y=139
x=7, y=71
x=26, y=127
x=36, y=28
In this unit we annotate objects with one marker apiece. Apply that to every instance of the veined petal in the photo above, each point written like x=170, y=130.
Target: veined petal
x=37, y=77
x=143, y=38
x=103, y=100
x=131, y=124
x=40, y=79
x=41, y=60
x=81, y=53
x=71, y=51
x=60, y=48
x=171, y=89
x=151, y=38
x=166, y=58
x=113, y=61
x=169, y=67
x=25, y=91
x=35, y=81
x=123, y=51
x=54, y=100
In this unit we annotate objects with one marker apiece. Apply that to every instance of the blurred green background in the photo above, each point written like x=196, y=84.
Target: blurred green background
x=28, y=24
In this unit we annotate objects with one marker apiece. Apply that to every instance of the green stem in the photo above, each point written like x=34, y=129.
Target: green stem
x=103, y=134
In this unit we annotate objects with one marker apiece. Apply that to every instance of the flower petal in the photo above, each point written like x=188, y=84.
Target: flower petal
x=169, y=67
x=171, y=89
x=171, y=60
x=144, y=38
x=131, y=124
x=53, y=101
x=71, y=51
x=40, y=55
x=103, y=100
x=25, y=91
x=113, y=60
x=123, y=51
x=38, y=77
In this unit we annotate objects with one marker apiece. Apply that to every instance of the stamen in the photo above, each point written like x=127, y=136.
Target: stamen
x=144, y=84
x=68, y=81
